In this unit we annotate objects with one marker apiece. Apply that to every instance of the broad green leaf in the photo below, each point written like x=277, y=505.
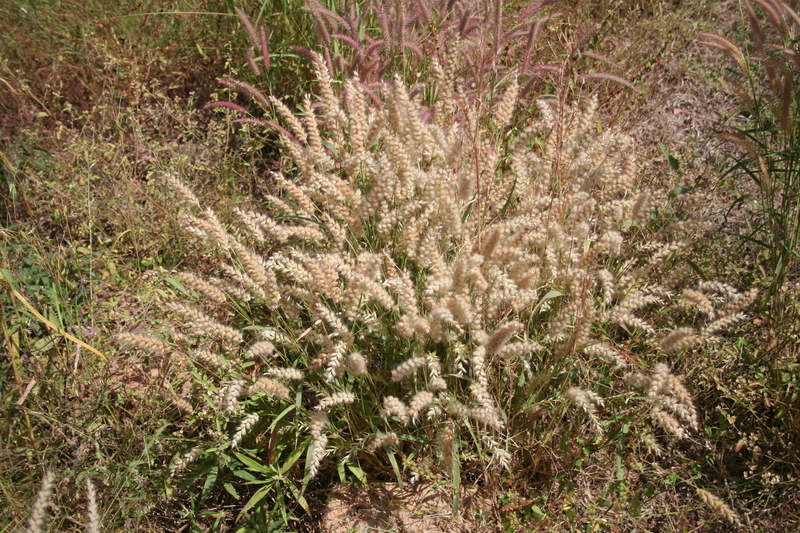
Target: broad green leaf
x=298, y=496
x=549, y=296
x=211, y=480
x=230, y=490
x=281, y=415
x=244, y=474
x=636, y=505
x=537, y=513
x=398, y=474
x=360, y=475
x=292, y=459
x=256, y=498
x=252, y=464
x=176, y=283
x=674, y=163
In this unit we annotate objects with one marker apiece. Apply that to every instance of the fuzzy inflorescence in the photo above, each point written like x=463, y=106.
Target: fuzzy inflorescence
x=39, y=509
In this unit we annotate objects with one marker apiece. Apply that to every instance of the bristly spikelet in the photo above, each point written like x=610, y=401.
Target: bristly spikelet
x=209, y=290
x=357, y=363
x=92, y=512
x=211, y=359
x=720, y=507
x=39, y=509
x=673, y=408
x=419, y=403
x=487, y=417
x=183, y=191
x=408, y=367
x=183, y=462
x=260, y=349
x=668, y=422
x=148, y=343
x=383, y=441
x=335, y=399
x=678, y=339
x=182, y=405
x=446, y=442
x=317, y=451
x=588, y=402
x=503, y=333
x=319, y=419
x=205, y=323
x=393, y=406
x=505, y=107
x=289, y=374
x=229, y=395
x=269, y=386
x=244, y=428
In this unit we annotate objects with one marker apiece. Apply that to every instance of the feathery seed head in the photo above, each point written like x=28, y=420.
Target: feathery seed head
x=39, y=510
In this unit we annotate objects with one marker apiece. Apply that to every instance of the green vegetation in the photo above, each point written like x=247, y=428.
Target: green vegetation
x=510, y=263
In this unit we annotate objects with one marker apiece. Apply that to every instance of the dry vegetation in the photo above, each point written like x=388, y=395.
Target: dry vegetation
x=500, y=257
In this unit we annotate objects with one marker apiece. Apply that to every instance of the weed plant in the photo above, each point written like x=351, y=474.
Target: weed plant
x=446, y=278
x=756, y=412
x=431, y=275
x=769, y=144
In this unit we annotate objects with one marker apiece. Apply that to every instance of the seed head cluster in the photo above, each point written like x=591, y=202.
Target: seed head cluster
x=422, y=268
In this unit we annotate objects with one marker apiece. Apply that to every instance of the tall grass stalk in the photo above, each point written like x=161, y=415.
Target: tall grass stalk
x=770, y=142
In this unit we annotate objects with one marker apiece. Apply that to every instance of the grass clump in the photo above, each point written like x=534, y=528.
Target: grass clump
x=444, y=281
x=769, y=144
x=432, y=274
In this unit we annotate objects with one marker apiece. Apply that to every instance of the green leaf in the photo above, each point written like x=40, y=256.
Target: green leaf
x=360, y=475
x=232, y=491
x=252, y=464
x=44, y=344
x=549, y=296
x=298, y=496
x=292, y=459
x=636, y=505
x=176, y=283
x=245, y=475
x=395, y=467
x=256, y=498
x=697, y=270
x=413, y=438
x=538, y=514
x=211, y=480
x=674, y=163
x=280, y=416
